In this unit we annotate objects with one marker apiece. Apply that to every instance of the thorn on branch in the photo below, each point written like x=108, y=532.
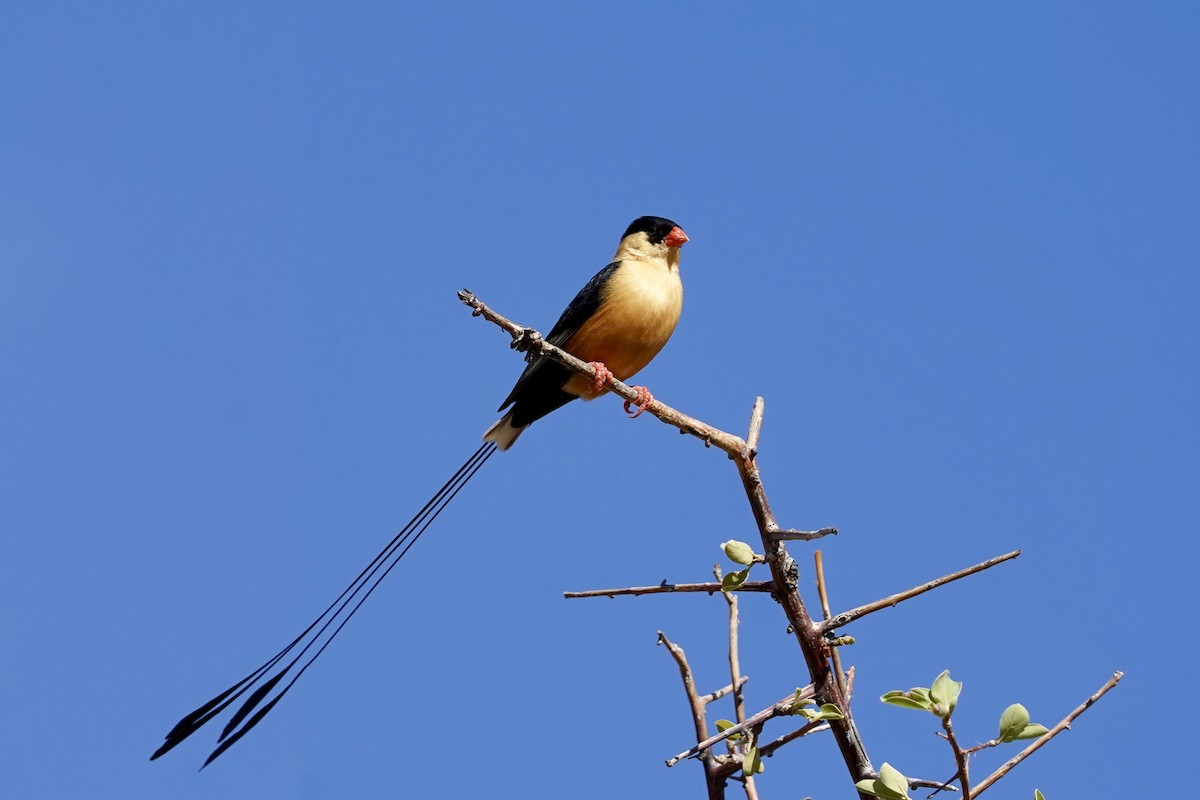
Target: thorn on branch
x=806, y=536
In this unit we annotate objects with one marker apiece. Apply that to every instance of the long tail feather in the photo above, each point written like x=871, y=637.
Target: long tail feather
x=319, y=632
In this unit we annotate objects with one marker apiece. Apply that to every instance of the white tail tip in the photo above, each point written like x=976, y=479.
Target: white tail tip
x=503, y=433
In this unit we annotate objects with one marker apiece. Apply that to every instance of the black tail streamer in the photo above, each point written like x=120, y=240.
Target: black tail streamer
x=323, y=630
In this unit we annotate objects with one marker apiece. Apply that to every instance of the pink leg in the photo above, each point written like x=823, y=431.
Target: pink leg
x=603, y=376
x=644, y=401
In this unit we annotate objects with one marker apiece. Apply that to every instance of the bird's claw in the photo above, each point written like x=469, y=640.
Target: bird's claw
x=602, y=377
x=644, y=401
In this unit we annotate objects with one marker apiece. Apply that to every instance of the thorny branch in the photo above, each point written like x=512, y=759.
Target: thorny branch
x=668, y=588
x=828, y=685
x=846, y=617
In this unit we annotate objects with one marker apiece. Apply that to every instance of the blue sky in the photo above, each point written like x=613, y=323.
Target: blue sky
x=954, y=247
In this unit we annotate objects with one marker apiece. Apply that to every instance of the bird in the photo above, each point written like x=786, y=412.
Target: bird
x=618, y=322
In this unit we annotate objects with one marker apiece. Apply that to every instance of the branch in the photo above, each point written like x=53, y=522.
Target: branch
x=724, y=690
x=784, y=707
x=846, y=617
x=960, y=758
x=1063, y=725
x=716, y=785
x=529, y=340
x=819, y=568
x=736, y=679
x=667, y=588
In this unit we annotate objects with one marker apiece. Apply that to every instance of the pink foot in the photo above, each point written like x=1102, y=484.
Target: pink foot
x=603, y=376
x=644, y=401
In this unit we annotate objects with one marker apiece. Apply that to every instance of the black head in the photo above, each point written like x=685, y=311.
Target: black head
x=656, y=228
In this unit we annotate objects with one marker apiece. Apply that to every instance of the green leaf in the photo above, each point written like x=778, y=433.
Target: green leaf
x=1037, y=795
x=1013, y=722
x=944, y=694
x=751, y=763
x=891, y=778
x=734, y=580
x=738, y=552
x=877, y=789
x=908, y=700
x=890, y=785
x=1032, y=731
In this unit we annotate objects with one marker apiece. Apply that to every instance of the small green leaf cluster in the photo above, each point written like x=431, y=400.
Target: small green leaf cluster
x=738, y=553
x=890, y=785
x=939, y=699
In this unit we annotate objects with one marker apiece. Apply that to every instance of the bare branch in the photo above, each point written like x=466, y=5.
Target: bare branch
x=846, y=617
x=768, y=750
x=1064, y=724
x=724, y=690
x=819, y=568
x=735, y=675
x=716, y=784
x=669, y=588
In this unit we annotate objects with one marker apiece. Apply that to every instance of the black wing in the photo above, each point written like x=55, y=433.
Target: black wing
x=539, y=389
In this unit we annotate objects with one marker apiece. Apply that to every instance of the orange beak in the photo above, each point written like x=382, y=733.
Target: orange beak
x=676, y=237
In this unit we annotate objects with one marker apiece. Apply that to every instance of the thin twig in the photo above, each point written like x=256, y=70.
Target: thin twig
x=846, y=617
x=768, y=750
x=1064, y=724
x=724, y=690
x=735, y=669
x=819, y=564
x=784, y=707
x=716, y=787
x=669, y=588
x=735, y=675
